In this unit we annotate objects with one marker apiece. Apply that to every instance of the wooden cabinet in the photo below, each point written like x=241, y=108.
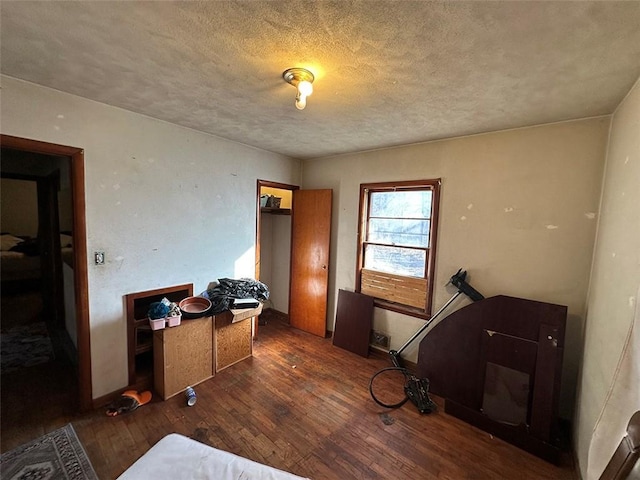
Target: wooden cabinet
x=173, y=358
x=233, y=341
x=140, y=335
x=198, y=348
x=183, y=356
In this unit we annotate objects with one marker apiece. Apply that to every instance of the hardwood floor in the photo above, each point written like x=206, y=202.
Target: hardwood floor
x=302, y=405
x=35, y=401
x=38, y=398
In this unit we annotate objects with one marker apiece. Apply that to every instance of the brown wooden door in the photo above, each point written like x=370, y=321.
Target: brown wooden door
x=310, y=238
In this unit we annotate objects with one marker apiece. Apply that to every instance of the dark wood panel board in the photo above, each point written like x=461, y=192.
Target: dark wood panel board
x=354, y=317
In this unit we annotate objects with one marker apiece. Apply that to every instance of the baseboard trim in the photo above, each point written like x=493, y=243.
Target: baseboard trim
x=276, y=313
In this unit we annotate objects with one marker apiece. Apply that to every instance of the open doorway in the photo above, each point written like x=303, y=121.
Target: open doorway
x=273, y=246
x=57, y=172
x=292, y=253
x=37, y=260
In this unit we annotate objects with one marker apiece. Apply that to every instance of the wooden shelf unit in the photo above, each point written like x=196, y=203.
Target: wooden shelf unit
x=197, y=349
x=140, y=335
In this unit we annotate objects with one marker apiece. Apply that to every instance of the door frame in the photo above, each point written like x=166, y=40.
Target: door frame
x=81, y=281
x=270, y=184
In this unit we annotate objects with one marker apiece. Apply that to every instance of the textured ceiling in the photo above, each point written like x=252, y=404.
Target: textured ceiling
x=387, y=73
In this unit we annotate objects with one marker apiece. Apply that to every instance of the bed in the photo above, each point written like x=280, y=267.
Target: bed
x=20, y=260
x=17, y=266
x=176, y=456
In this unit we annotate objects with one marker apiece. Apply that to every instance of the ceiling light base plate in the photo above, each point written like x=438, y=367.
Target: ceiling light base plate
x=297, y=75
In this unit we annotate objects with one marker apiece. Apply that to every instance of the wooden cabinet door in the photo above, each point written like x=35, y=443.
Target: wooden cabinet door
x=182, y=356
x=310, y=238
x=233, y=341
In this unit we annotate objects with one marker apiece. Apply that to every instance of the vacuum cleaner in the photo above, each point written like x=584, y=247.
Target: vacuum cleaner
x=417, y=389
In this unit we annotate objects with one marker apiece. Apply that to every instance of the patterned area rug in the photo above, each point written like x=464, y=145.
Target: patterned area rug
x=57, y=455
x=25, y=346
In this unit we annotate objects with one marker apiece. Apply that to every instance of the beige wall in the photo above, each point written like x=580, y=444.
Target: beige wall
x=518, y=210
x=168, y=205
x=281, y=262
x=19, y=200
x=275, y=258
x=615, y=277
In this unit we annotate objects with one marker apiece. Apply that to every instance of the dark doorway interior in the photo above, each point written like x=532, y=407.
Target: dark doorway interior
x=38, y=353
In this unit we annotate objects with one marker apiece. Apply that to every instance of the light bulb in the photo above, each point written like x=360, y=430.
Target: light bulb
x=305, y=88
x=301, y=102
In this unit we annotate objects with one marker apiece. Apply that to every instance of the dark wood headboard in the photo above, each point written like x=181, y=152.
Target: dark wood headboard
x=497, y=362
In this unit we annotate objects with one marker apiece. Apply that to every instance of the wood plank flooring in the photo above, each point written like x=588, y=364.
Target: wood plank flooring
x=39, y=398
x=302, y=405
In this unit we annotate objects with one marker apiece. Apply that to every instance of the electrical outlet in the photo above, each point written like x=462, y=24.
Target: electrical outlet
x=380, y=339
x=98, y=258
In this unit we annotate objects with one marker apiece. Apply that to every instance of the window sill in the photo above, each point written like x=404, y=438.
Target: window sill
x=403, y=309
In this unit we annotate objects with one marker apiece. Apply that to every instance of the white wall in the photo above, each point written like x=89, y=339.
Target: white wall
x=168, y=205
x=266, y=259
x=275, y=258
x=518, y=210
x=615, y=277
x=281, y=262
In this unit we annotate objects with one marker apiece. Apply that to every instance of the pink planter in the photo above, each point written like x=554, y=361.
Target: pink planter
x=174, y=321
x=157, y=323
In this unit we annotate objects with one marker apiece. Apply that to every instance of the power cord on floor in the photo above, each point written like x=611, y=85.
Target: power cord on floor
x=415, y=389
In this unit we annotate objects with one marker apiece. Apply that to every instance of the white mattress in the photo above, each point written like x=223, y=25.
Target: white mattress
x=179, y=457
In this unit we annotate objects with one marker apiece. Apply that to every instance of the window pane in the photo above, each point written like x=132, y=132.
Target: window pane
x=411, y=204
x=412, y=233
x=401, y=261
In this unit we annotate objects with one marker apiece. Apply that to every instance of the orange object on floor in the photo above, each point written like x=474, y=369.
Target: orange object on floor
x=128, y=401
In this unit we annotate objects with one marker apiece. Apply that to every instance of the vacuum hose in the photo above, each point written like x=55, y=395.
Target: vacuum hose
x=415, y=389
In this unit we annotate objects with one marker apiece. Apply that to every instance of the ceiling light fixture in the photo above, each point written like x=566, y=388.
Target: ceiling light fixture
x=302, y=79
